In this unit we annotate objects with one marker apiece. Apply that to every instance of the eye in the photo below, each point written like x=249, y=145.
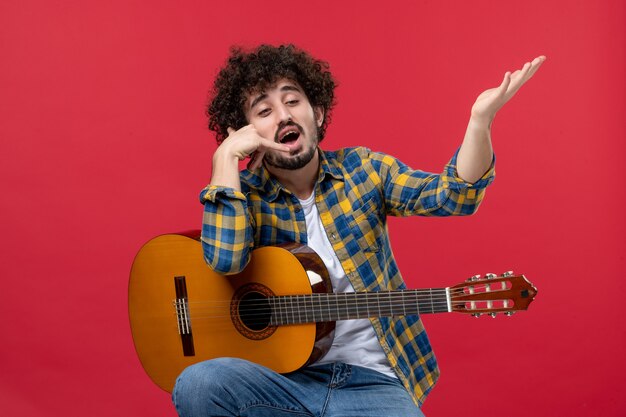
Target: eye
x=264, y=112
x=293, y=102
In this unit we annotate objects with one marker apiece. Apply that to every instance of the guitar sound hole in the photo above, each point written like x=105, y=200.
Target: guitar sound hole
x=254, y=311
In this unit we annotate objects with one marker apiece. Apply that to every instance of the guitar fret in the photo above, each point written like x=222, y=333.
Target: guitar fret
x=420, y=303
x=276, y=311
x=362, y=309
x=324, y=307
x=432, y=307
x=403, y=305
x=310, y=307
x=310, y=314
x=272, y=310
x=319, y=307
x=354, y=308
x=417, y=304
x=273, y=321
x=285, y=311
x=316, y=307
x=394, y=309
x=298, y=308
x=329, y=300
x=293, y=301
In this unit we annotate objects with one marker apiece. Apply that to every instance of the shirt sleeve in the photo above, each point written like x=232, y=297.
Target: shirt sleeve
x=227, y=229
x=414, y=192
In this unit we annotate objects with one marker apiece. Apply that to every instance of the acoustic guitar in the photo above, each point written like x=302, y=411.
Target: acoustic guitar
x=280, y=311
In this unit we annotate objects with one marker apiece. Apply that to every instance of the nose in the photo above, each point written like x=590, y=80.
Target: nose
x=284, y=113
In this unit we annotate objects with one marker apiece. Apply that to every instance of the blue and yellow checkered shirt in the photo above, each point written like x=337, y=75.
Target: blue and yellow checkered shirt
x=355, y=191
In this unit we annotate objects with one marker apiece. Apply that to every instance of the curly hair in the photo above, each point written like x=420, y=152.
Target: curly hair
x=247, y=72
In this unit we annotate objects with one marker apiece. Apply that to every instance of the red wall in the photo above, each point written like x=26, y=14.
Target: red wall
x=104, y=145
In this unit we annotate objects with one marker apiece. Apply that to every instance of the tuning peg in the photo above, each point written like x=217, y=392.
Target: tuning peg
x=493, y=315
x=473, y=278
x=509, y=313
x=508, y=274
x=490, y=276
x=476, y=315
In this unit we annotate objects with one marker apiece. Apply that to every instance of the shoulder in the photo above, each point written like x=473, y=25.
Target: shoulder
x=360, y=157
x=348, y=158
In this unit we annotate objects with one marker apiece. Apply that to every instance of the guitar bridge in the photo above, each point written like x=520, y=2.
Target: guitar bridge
x=183, y=320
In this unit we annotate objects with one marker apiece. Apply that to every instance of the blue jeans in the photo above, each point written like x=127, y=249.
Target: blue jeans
x=235, y=387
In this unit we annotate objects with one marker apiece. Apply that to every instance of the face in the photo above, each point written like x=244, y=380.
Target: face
x=283, y=113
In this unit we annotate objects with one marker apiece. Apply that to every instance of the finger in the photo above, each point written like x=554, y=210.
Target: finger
x=521, y=74
x=518, y=75
x=529, y=70
x=505, y=83
x=270, y=144
x=535, y=65
x=538, y=60
x=518, y=78
x=230, y=130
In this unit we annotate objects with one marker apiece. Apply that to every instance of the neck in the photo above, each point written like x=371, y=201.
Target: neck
x=300, y=182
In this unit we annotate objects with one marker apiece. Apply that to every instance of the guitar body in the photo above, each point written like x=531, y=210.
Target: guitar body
x=181, y=312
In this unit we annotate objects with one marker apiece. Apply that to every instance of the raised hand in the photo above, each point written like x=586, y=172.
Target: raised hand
x=490, y=101
x=239, y=145
x=246, y=142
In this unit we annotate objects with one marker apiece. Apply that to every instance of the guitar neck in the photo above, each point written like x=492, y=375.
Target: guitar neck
x=313, y=308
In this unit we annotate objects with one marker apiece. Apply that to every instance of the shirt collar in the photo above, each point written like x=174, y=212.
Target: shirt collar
x=329, y=166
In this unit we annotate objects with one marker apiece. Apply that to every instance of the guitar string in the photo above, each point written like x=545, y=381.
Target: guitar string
x=308, y=301
x=289, y=315
x=351, y=300
x=454, y=293
x=331, y=309
x=274, y=321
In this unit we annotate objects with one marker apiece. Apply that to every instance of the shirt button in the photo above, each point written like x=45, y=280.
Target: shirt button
x=298, y=209
x=332, y=235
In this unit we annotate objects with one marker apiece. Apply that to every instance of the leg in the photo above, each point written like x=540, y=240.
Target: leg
x=362, y=392
x=235, y=387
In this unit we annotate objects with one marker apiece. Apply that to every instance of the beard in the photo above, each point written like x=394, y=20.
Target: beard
x=293, y=162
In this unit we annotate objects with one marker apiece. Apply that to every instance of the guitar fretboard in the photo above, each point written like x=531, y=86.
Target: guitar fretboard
x=312, y=308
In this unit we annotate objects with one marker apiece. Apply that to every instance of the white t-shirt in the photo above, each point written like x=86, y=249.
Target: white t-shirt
x=355, y=341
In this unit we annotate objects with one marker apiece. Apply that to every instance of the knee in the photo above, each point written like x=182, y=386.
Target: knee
x=205, y=376
x=205, y=385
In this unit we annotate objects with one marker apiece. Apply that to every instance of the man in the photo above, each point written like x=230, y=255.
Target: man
x=273, y=105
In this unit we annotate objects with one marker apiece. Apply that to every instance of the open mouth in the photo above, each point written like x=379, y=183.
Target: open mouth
x=289, y=134
x=290, y=137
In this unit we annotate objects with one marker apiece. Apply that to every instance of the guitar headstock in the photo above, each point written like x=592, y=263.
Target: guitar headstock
x=492, y=294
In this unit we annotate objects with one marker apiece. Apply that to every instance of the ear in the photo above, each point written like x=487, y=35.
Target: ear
x=319, y=115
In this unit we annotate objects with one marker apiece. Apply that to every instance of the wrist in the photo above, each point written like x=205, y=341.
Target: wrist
x=225, y=155
x=478, y=123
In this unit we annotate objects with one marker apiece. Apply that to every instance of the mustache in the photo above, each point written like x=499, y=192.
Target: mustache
x=282, y=125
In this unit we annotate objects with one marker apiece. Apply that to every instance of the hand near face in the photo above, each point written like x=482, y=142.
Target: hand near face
x=246, y=142
x=490, y=101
